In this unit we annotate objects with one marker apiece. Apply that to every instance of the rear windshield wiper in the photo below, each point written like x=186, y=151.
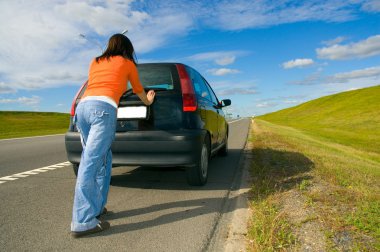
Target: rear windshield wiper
x=155, y=89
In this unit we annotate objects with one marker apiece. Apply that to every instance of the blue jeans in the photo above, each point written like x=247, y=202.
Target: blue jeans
x=96, y=121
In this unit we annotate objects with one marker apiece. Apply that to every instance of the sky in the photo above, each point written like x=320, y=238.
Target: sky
x=264, y=55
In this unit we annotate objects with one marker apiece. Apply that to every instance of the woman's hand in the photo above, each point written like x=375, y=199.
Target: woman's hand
x=150, y=96
x=147, y=98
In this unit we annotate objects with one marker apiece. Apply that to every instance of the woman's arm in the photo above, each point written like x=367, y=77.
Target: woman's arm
x=146, y=98
x=138, y=88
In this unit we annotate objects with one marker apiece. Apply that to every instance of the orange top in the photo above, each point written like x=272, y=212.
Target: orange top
x=110, y=77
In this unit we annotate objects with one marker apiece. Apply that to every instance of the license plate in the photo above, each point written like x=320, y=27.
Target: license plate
x=135, y=112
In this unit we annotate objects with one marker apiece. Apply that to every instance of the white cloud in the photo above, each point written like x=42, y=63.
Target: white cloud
x=245, y=14
x=237, y=91
x=228, y=87
x=369, y=76
x=40, y=45
x=362, y=49
x=312, y=79
x=31, y=101
x=293, y=97
x=371, y=6
x=42, y=38
x=242, y=14
x=371, y=72
x=227, y=60
x=6, y=89
x=352, y=89
x=292, y=101
x=222, y=71
x=334, y=41
x=266, y=104
x=221, y=58
x=160, y=29
x=102, y=18
x=297, y=63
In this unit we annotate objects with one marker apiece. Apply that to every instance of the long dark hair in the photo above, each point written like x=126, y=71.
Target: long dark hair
x=119, y=45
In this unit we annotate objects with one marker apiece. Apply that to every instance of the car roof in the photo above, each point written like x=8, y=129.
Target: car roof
x=159, y=64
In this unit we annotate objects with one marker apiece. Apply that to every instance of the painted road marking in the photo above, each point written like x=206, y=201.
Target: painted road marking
x=8, y=178
x=43, y=170
x=20, y=138
x=236, y=120
x=28, y=173
x=20, y=175
x=47, y=168
x=33, y=172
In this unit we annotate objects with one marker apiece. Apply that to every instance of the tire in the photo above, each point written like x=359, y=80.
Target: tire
x=224, y=150
x=197, y=175
x=75, y=169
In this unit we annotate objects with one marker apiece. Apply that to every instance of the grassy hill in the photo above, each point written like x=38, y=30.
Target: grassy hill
x=316, y=170
x=350, y=118
x=23, y=124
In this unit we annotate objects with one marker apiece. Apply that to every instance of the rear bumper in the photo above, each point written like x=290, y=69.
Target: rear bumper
x=151, y=148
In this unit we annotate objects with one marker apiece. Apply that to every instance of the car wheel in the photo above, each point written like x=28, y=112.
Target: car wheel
x=197, y=175
x=224, y=150
x=75, y=168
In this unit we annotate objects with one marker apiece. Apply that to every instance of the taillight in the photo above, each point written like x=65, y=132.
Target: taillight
x=72, y=113
x=188, y=95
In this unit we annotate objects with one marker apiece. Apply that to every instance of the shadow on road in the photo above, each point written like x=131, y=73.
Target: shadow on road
x=191, y=209
x=224, y=175
x=221, y=173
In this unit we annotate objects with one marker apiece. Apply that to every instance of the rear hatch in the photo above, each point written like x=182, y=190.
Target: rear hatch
x=166, y=111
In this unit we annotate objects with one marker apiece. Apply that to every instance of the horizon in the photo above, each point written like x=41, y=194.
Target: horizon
x=265, y=57
x=68, y=112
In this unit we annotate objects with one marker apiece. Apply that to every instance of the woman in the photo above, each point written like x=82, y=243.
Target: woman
x=96, y=118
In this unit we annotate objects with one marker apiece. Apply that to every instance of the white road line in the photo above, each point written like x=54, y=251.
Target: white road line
x=20, y=175
x=29, y=173
x=43, y=169
x=8, y=178
x=33, y=172
x=56, y=166
x=236, y=120
x=48, y=168
x=18, y=138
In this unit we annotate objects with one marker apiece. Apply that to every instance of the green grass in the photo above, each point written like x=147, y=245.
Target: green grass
x=349, y=118
x=273, y=162
x=270, y=228
x=285, y=158
x=24, y=124
x=331, y=143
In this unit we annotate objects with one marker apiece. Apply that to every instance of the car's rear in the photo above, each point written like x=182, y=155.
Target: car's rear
x=167, y=133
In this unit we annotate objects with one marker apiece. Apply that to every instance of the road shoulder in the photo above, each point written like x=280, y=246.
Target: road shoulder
x=231, y=231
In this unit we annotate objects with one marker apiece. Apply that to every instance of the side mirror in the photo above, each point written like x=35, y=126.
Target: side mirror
x=225, y=102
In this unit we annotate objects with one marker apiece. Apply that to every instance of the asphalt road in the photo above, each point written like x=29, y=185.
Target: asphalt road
x=152, y=209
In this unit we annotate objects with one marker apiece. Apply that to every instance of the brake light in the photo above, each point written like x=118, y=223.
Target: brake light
x=72, y=113
x=188, y=95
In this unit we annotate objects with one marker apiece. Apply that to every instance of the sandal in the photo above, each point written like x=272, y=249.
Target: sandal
x=101, y=226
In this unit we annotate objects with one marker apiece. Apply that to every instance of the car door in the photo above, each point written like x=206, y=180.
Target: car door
x=222, y=124
x=209, y=113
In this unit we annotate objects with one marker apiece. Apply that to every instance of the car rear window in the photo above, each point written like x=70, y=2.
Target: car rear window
x=156, y=77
